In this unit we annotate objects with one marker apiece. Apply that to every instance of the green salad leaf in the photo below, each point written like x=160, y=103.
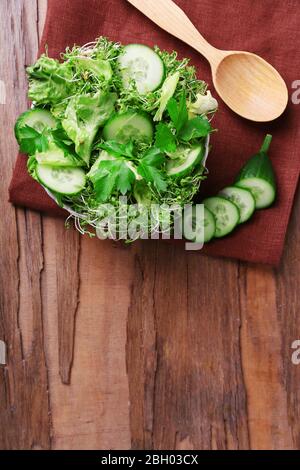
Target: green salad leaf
x=118, y=149
x=150, y=168
x=187, y=129
x=112, y=175
x=62, y=141
x=195, y=128
x=164, y=138
x=178, y=111
x=98, y=67
x=32, y=141
x=49, y=81
x=84, y=116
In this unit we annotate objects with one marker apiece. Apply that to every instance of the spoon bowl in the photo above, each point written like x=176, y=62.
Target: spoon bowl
x=248, y=84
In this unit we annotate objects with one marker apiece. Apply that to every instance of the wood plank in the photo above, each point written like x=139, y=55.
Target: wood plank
x=262, y=360
x=288, y=308
x=183, y=342
x=24, y=414
x=141, y=346
x=67, y=279
x=92, y=412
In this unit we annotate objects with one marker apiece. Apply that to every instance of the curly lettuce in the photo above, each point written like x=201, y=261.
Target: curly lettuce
x=49, y=81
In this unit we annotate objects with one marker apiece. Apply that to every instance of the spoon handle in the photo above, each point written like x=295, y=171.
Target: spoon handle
x=167, y=15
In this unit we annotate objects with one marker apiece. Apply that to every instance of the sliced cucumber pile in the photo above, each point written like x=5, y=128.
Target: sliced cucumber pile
x=129, y=126
x=243, y=199
x=185, y=160
x=38, y=119
x=67, y=181
x=226, y=213
x=141, y=64
x=255, y=188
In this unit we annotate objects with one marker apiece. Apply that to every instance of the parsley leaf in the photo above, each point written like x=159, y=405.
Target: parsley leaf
x=118, y=150
x=32, y=140
x=112, y=175
x=150, y=168
x=186, y=129
x=178, y=111
x=164, y=139
x=125, y=179
x=195, y=128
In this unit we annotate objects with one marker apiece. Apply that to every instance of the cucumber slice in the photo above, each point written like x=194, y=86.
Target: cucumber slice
x=258, y=177
x=68, y=181
x=209, y=226
x=38, y=119
x=226, y=214
x=129, y=126
x=263, y=192
x=141, y=64
x=55, y=156
x=242, y=198
x=186, y=158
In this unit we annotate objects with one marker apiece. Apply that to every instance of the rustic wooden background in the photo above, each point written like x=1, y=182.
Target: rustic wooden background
x=145, y=346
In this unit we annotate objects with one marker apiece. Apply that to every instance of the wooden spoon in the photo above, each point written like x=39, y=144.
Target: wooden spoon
x=248, y=84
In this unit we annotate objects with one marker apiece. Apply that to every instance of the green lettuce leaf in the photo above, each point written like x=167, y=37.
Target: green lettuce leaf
x=49, y=81
x=84, y=116
x=98, y=67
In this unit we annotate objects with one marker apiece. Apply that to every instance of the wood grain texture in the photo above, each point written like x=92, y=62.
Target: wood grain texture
x=262, y=361
x=92, y=412
x=67, y=280
x=25, y=419
x=288, y=307
x=169, y=350
x=192, y=395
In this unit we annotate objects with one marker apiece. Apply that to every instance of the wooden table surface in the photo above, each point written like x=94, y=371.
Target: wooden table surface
x=146, y=346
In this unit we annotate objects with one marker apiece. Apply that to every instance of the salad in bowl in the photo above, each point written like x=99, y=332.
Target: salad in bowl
x=110, y=121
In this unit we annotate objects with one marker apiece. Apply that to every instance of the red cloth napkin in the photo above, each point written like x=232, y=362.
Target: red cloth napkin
x=269, y=28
